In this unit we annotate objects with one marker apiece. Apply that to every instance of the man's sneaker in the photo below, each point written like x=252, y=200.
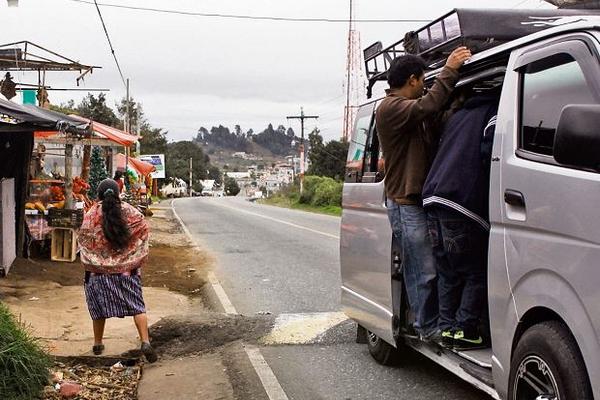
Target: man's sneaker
x=149, y=352
x=464, y=342
x=447, y=338
x=434, y=336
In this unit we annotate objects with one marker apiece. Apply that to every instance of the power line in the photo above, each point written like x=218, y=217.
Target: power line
x=112, y=50
x=247, y=17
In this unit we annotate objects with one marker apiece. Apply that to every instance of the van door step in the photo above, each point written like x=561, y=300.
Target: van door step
x=481, y=357
x=484, y=375
x=468, y=370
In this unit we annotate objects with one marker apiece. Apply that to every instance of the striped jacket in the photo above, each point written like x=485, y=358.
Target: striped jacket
x=459, y=176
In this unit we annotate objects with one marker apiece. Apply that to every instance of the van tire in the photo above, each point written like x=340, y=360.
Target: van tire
x=549, y=345
x=381, y=351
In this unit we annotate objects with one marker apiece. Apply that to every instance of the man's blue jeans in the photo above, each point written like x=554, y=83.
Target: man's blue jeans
x=460, y=246
x=409, y=225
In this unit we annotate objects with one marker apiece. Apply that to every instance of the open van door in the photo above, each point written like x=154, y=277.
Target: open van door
x=366, y=236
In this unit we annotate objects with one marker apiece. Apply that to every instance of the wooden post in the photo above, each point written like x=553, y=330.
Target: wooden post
x=69, y=176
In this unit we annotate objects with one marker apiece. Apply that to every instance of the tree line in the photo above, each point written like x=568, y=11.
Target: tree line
x=280, y=142
x=153, y=139
x=326, y=159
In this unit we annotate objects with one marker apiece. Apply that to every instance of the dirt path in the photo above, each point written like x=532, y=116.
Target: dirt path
x=48, y=296
x=201, y=355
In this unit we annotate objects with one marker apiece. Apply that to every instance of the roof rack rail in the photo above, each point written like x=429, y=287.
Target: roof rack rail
x=378, y=60
x=478, y=29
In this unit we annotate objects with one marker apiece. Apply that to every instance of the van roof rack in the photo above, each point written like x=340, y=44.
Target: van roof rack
x=475, y=28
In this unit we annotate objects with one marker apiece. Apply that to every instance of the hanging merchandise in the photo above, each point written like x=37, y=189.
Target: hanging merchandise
x=80, y=192
x=8, y=87
x=130, y=179
x=42, y=98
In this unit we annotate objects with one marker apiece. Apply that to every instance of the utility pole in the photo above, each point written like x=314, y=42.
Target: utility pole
x=191, y=177
x=127, y=123
x=302, y=117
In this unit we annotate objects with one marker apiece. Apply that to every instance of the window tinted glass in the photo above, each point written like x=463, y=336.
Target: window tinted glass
x=548, y=86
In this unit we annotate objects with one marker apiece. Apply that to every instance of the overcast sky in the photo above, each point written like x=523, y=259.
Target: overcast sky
x=191, y=71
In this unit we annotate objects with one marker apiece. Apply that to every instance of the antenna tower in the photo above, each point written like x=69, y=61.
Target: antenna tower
x=354, y=76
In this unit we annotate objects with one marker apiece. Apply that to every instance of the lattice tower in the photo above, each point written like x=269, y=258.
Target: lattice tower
x=355, y=77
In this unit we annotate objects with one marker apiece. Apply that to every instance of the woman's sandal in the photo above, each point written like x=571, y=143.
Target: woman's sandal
x=149, y=352
x=97, y=349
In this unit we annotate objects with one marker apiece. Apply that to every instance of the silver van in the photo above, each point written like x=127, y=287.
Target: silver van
x=544, y=244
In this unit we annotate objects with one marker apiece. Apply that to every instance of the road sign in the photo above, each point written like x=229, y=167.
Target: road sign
x=158, y=160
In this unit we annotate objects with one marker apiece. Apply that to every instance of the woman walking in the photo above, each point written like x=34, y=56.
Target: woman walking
x=113, y=242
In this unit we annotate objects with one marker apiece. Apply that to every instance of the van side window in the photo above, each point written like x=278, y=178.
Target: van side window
x=548, y=85
x=373, y=170
x=358, y=144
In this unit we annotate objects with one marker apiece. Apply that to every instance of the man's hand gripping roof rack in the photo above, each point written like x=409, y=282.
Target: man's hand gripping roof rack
x=477, y=29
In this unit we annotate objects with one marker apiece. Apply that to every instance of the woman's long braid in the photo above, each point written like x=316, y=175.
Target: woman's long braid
x=114, y=226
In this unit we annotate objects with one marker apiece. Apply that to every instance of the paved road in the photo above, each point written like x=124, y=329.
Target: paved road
x=286, y=261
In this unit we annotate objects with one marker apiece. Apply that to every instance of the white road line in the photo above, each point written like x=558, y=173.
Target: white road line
x=185, y=228
x=281, y=222
x=220, y=292
x=265, y=373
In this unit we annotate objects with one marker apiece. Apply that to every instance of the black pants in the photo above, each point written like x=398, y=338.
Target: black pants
x=460, y=248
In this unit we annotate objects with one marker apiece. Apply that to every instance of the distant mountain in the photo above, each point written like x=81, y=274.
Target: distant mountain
x=278, y=142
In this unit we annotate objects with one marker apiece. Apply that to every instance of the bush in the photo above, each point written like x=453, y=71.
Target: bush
x=310, y=185
x=23, y=363
x=328, y=193
x=321, y=191
x=231, y=187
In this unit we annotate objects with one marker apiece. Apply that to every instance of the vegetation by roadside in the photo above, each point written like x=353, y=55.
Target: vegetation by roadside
x=321, y=194
x=24, y=366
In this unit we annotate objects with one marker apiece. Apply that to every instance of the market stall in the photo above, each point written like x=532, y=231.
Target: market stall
x=137, y=179
x=57, y=199
x=17, y=126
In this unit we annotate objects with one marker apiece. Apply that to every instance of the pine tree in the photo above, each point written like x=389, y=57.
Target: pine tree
x=97, y=171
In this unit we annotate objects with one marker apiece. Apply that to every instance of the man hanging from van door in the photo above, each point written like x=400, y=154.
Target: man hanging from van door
x=455, y=197
x=408, y=150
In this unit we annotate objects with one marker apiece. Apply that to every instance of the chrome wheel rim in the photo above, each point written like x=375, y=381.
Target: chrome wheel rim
x=535, y=381
x=372, y=338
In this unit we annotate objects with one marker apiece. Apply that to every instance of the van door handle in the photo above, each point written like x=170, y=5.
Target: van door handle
x=514, y=198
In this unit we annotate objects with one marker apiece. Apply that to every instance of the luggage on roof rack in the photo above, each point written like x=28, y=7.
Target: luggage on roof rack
x=580, y=4
x=475, y=28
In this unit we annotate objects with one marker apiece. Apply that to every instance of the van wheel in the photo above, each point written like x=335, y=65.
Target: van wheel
x=547, y=365
x=382, y=352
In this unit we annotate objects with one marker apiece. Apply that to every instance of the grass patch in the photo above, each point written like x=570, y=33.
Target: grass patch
x=321, y=195
x=23, y=363
x=157, y=199
x=287, y=202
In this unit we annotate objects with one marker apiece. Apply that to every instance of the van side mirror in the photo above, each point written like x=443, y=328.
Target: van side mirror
x=577, y=138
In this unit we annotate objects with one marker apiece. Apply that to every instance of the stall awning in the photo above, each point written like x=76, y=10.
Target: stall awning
x=114, y=134
x=30, y=117
x=142, y=167
x=101, y=133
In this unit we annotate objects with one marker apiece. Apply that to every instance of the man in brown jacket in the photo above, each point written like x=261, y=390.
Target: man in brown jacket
x=408, y=149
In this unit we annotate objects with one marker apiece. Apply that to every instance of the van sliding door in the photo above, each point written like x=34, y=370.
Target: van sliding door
x=366, y=237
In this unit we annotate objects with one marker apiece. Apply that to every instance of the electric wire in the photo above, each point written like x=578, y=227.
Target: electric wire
x=247, y=17
x=112, y=50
